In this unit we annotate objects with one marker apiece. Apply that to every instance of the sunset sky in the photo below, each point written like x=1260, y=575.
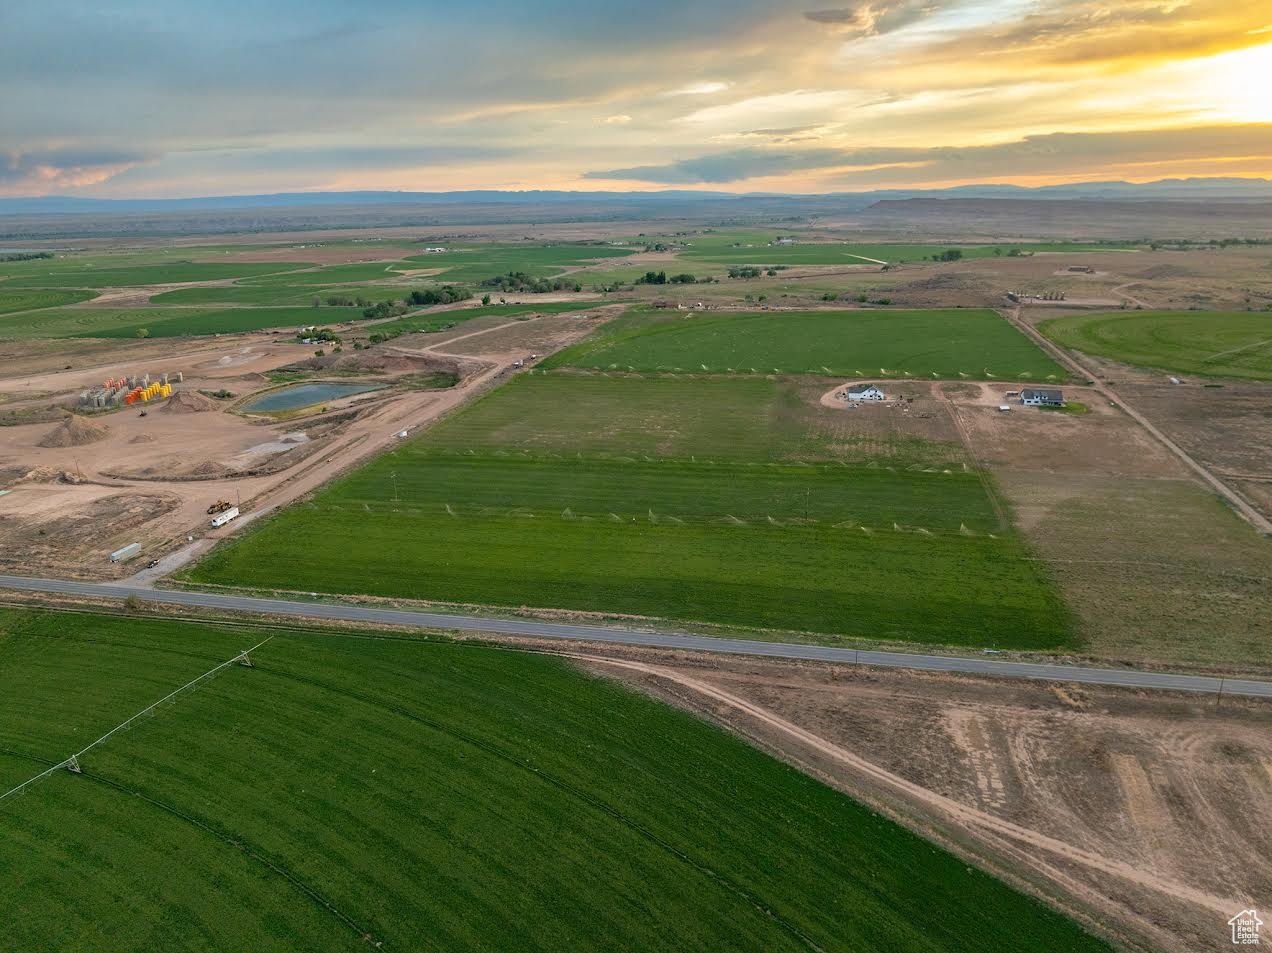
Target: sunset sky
x=163, y=98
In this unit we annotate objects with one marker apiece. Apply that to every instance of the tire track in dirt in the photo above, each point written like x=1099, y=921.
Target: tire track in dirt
x=980, y=822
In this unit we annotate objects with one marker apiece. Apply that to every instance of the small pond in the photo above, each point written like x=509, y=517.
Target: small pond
x=305, y=395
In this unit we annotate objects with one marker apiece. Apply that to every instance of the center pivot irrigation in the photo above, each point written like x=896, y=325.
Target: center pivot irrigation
x=72, y=763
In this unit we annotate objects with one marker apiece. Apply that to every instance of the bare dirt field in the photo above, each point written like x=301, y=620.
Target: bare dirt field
x=1146, y=814
x=1102, y=441
x=1228, y=428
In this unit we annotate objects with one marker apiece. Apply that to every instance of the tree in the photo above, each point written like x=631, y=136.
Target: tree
x=950, y=254
x=485, y=299
x=143, y=332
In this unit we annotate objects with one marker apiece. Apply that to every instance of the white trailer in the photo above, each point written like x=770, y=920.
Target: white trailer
x=222, y=518
x=128, y=552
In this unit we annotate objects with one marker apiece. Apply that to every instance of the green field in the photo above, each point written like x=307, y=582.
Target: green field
x=478, y=262
x=352, y=793
x=275, y=294
x=12, y=301
x=1209, y=343
x=756, y=250
x=71, y=273
x=332, y=274
x=709, y=501
x=947, y=343
x=163, y=322
x=437, y=320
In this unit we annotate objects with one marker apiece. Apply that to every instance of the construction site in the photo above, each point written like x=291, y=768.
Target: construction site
x=93, y=459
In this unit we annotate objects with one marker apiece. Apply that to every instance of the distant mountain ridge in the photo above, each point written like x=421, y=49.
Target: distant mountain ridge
x=1164, y=190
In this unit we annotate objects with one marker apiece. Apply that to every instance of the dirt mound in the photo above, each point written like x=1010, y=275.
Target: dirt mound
x=74, y=432
x=210, y=468
x=188, y=402
x=142, y=438
x=1165, y=271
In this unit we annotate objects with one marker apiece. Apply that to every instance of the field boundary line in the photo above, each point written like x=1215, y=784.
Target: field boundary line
x=72, y=762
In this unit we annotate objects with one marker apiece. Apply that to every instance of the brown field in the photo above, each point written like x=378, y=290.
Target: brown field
x=1157, y=570
x=1145, y=813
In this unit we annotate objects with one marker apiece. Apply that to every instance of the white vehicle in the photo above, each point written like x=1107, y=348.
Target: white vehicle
x=224, y=517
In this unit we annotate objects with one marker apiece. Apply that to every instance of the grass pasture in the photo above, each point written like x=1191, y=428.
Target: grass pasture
x=422, y=794
x=697, y=501
x=1208, y=343
x=949, y=343
x=163, y=322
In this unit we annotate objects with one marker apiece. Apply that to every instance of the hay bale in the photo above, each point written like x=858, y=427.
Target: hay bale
x=74, y=431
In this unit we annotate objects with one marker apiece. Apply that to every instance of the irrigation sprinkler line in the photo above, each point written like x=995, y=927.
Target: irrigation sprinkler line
x=73, y=761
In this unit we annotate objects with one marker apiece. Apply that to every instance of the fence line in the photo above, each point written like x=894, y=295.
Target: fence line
x=72, y=763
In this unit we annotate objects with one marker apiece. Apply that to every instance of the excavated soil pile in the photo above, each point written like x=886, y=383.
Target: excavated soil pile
x=142, y=438
x=74, y=432
x=211, y=469
x=188, y=402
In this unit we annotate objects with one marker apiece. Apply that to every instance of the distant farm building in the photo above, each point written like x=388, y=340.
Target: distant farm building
x=1042, y=398
x=866, y=392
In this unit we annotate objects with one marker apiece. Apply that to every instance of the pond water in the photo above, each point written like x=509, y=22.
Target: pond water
x=305, y=395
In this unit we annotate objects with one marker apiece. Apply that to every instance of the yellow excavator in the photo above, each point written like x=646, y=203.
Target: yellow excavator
x=220, y=506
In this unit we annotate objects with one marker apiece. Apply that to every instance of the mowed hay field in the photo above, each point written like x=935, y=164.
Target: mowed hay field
x=13, y=300
x=162, y=322
x=357, y=792
x=1210, y=343
x=949, y=343
x=716, y=501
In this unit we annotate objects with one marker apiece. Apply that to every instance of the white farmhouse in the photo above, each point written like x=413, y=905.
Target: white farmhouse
x=1043, y=397
x=866, y=392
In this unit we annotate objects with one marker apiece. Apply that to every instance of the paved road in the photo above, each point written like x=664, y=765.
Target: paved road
x=663, y=640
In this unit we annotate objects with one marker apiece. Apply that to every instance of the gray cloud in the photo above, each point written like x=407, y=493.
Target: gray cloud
x=874, y=18
x=1056, y=153
x=733, y=166
x=64, y=168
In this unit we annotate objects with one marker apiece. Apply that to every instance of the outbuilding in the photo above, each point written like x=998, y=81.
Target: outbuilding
x=1044, y=397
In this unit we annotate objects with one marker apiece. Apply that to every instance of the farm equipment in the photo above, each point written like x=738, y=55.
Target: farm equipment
x=220, y=506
